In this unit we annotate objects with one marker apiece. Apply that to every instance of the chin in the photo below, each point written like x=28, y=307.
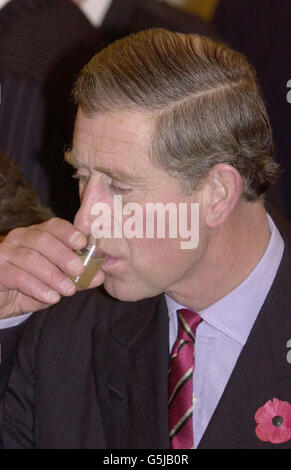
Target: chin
x=126, y=292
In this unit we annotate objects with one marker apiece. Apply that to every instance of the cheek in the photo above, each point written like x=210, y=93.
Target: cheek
x=154, y=255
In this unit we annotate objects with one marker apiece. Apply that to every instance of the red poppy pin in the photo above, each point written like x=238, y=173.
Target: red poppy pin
x=274, y=421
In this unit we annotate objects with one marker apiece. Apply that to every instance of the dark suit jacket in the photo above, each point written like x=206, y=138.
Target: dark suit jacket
x=261, y=30
x=91, y=372
x=129, y=16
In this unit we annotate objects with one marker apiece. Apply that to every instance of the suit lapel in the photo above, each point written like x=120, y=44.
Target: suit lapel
x=261, y=373
x=131, y=353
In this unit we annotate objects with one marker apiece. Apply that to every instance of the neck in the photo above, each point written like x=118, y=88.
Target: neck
x=231, y=254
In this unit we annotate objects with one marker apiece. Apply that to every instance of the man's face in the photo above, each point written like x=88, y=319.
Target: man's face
x=111, y=155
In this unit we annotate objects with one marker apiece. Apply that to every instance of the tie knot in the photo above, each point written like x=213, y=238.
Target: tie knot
x=188, y=323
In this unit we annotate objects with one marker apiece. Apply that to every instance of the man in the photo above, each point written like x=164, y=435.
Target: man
x=163, y=118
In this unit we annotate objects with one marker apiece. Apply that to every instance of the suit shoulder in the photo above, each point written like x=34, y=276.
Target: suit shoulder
x=80, y=309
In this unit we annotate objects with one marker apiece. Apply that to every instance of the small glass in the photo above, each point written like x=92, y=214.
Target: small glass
x=93, y=260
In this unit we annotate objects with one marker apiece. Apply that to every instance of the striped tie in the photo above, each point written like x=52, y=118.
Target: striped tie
x=181, y=382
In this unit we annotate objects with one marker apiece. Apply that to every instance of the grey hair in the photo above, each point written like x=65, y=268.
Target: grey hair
x=204, y=97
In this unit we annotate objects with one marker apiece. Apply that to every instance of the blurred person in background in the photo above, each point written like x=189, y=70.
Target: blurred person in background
x=44, y=44
x=123, y=17
x=262, y=31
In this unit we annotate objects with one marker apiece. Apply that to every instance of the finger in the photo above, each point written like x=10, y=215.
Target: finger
x=64, y=231
x=59, y=228
x=44, y=270
x=27, y=244
x=24, y=283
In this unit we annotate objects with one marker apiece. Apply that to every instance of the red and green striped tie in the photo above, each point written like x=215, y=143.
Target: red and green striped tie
x=181, y=382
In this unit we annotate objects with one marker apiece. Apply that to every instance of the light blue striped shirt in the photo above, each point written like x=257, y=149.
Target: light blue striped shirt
x=224, y=331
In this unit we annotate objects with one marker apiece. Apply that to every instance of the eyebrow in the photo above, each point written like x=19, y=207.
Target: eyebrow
x=71, y=158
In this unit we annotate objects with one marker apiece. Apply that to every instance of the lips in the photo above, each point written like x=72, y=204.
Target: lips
x=110, y=261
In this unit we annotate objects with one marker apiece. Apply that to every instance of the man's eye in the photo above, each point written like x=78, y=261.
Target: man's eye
x=119, y=189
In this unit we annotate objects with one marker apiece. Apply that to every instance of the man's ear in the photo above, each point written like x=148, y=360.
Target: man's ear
x=224, y=187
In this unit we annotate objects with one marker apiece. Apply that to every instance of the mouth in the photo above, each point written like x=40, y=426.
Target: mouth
x=110, y=260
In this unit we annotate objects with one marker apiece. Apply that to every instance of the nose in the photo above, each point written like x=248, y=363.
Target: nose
x=92, y=193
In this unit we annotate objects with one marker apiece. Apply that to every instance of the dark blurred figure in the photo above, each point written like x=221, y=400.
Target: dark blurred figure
x=262, y=31
x=129, y=16
x=43, y=45
x=19, y=204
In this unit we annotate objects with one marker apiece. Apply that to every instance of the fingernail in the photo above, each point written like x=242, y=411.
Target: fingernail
x=75, y=266
x=52, y=296
x=68, y=287
x=78, y=239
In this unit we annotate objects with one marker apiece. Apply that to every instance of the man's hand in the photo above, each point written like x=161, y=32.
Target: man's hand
x=36, y=264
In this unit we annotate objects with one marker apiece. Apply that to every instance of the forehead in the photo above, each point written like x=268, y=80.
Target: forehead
x=112, y=139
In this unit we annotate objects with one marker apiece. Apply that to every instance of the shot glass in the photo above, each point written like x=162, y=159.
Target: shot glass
x=92, y=260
